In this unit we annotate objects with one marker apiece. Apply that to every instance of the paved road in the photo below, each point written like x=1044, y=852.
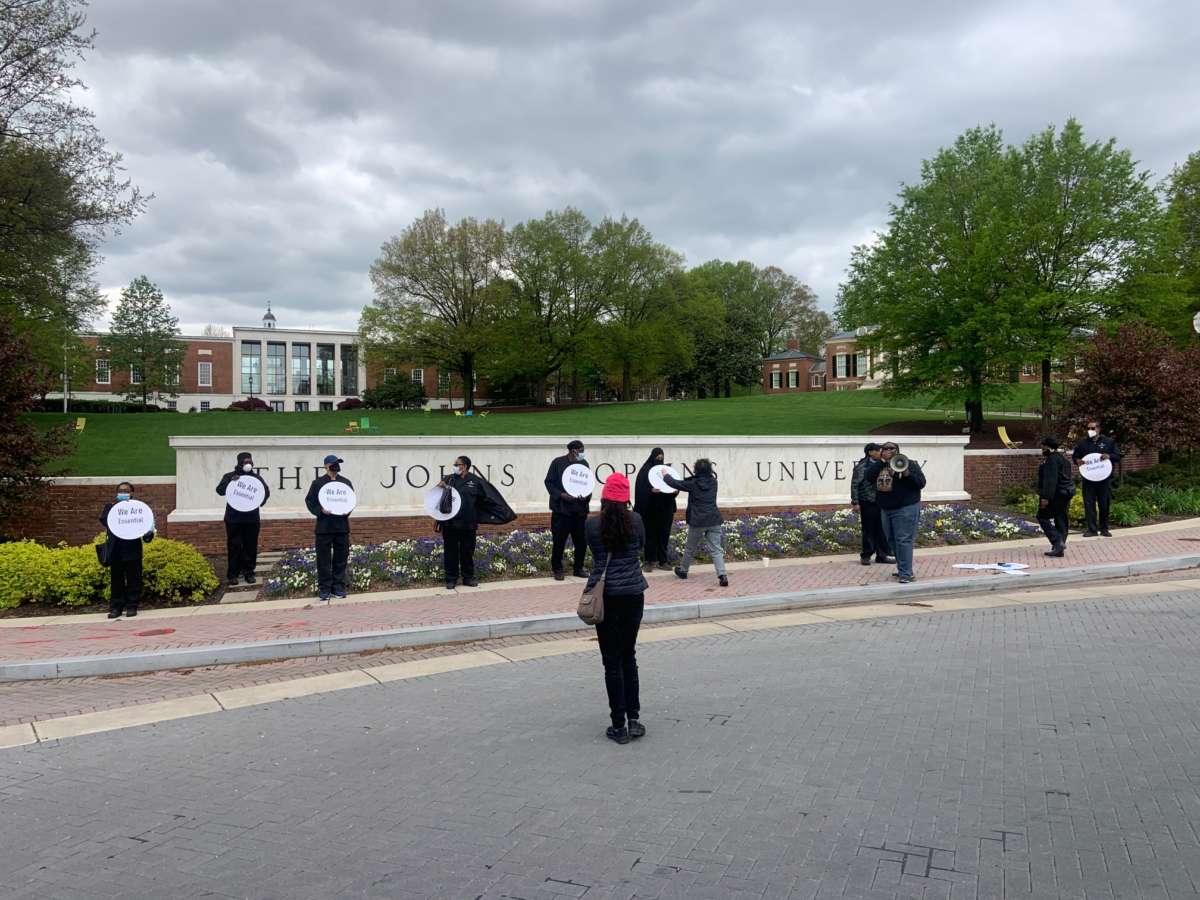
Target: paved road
x=1047, y=751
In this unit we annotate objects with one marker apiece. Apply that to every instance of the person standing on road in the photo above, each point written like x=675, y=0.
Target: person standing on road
x=703, y=519
x=617, y=537
x=458, y=534
x=241, y=528
x=657, y=510
x=568, y=515
x=125, y=566
x=332, y=533
x=1096, y=493
x=898, y=494
x=870, y=520
x=1055, y=489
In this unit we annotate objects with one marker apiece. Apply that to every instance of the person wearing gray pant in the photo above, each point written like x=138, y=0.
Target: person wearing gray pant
x=703, y=518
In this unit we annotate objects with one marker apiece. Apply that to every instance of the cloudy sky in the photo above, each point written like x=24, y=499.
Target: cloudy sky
x=285, y=141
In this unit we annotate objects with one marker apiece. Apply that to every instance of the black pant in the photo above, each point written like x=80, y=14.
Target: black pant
x=332, y=552
x=658, y=537
x=1096, y=493
x=562, y=526
x=458, y=551
x=241, y=542
x=1053, y=519
x=618, y=649
x=873, y=540
x=126, y=586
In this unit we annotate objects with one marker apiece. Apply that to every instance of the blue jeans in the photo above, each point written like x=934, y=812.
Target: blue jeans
x=900, y=528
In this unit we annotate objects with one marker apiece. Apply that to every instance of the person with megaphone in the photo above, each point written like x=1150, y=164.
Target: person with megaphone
x=898, y=481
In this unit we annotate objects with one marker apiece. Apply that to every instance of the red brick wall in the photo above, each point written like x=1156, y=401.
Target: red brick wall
x=801, y=366
x=221, y=357
x=71, y=512
x=986, y=476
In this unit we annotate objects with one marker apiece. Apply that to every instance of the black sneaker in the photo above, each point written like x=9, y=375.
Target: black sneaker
x=680, y=572
x=886, y=560
x=1106, y=533
x=723, y=580
x=636, y=729
x=579, y=573
x=907, y=579
x=130, y=613
x=470, y=582
x=559, y=576
x=451, y=585
x=1089, y=534
x=250, y=579
x=620, y=735
x=113, y=614
x=865, y=560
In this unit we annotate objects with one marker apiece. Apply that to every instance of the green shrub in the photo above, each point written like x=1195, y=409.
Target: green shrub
x=177, y=572
x=1172, y=501
x=24, y=567
x=1016, y=496
x=76, y=577
x=1124, y=514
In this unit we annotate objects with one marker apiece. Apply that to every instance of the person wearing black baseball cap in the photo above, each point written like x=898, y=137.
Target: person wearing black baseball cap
x=1056, y=487
x=332, y=533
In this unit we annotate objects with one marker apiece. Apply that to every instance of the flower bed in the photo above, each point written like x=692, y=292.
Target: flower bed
x=520, y=554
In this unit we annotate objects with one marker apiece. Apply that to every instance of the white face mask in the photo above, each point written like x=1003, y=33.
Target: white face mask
x=247, y=468
x=579, y=454
x=1092, y=432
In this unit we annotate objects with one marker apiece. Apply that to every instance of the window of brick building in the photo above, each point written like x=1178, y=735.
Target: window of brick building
x=102, y=374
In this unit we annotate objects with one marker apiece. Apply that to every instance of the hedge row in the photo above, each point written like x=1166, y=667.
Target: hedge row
x=173, y=572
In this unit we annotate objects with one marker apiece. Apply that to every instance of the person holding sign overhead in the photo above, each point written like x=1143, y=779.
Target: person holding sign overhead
x=331, y=499
x=1090, y=455
x=242, y=521
x=570, y=492
x=657, y=509
x=122, y=551
x=458, y=533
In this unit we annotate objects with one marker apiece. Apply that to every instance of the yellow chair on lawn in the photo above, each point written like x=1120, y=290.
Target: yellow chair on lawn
x=351, y=427
x=1006, y=440
x=80, y=423
x=458, y=413
x=483, y=415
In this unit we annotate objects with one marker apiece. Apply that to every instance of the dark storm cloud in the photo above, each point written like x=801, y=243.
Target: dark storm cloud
x=286, y=141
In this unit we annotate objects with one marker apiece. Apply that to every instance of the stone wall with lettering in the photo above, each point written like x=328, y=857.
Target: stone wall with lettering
x=392, y=474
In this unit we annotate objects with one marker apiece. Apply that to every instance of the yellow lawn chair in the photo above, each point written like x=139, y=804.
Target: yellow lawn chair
x=483, y=415
x=351, y=428
x=458, y=413
x=1006, y=440
x=80, y=423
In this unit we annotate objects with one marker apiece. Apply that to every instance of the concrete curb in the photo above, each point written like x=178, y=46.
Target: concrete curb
x=425, y=635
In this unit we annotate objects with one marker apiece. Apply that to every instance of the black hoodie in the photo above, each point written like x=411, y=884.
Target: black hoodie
x=702, y=509
x=645, y=501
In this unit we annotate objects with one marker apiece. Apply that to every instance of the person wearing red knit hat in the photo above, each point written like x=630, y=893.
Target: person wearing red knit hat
x=617, y=537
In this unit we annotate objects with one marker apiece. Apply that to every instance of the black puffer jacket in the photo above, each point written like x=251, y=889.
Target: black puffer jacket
x=623, y=577
x=702, y=509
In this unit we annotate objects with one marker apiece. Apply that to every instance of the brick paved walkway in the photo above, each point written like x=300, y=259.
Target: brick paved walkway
x=46, y=639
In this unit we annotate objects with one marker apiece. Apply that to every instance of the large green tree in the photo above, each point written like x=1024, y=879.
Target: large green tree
x=638, y=326
x=143, y=340
x=936, y=282
x=781, y=307
x=439, y=294
x=1086, y=222
x=732, y=329
x=1183, y=207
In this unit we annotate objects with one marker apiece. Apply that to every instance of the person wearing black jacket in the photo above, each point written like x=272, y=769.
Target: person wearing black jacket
x=899, y=497
x=1096, y=493
x=458, y=534
x=568, y=515
x=241, y=528
x=617, y=537
x=703, y=519
x=125, y=566
x=1055, y=489
x=870, y=519
x=332, y=533
x=657, y=510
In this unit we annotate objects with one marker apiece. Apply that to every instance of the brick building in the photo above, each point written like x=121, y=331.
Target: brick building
x=790, y=372
x=293, y=370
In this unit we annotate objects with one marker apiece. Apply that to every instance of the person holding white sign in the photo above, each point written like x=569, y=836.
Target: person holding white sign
x=332, y=530
x=245, y=492
x=1096, y=493
x=458, y=533
x=568, y=509
x=657, y=509
x=124, y=554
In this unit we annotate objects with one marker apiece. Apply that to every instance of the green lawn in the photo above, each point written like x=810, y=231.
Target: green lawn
x=137, y=443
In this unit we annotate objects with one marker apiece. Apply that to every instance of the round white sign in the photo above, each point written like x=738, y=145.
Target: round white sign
x=656, y=479
x=130, y=519
x=245, y=494
x=1196, y=323
x=433, y=499
x=578, y=480
x=338, y=498
x=1093, y=468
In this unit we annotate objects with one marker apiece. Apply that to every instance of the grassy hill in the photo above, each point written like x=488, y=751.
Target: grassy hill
x=137, y=443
